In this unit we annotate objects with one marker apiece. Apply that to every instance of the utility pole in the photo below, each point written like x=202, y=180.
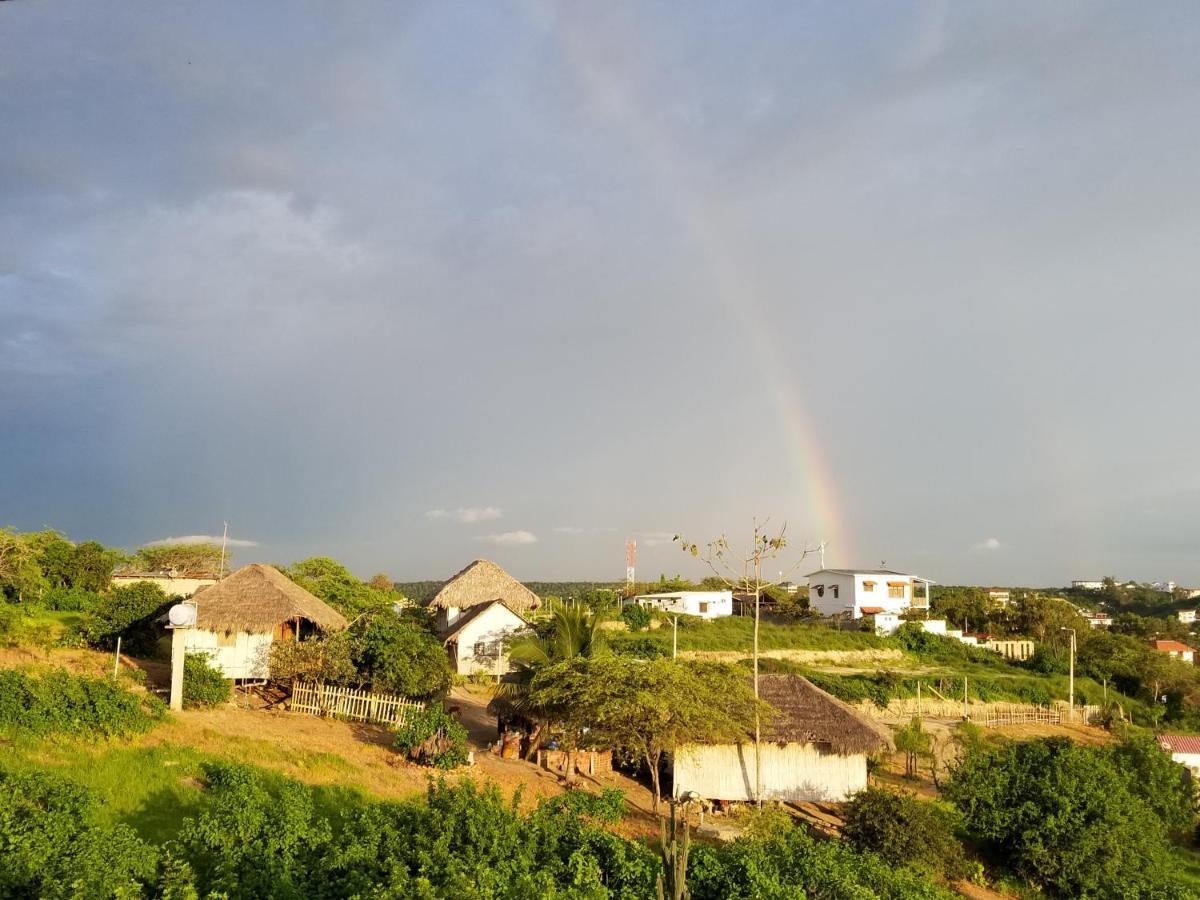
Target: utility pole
x=674, y=637
x=1071, y=689
x=224, y=540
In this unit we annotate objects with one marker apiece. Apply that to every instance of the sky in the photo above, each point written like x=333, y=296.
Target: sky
x=408, y=284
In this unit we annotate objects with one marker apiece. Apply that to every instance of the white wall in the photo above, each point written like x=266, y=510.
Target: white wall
x=791, y=772
x=822, y=589
x=705, y=604
x=852, y=593
x=490, y=628
x=1191, y=760
x=240, y=655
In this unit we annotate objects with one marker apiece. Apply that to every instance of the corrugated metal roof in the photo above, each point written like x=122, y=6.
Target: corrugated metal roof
x=1180, y=743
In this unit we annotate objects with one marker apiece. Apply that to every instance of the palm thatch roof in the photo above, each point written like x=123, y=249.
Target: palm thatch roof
x=258, y=598
x=483, y=582
x=809, y=715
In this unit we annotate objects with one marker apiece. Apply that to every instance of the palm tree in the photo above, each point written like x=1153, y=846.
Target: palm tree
x=573, y=631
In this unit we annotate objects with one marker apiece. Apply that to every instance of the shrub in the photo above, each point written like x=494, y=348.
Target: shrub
x=641, y=648
x=202, y=684
x=1063, y=817
x=432, y=737
x=396, y=655
x=905, y=831
x=70, y=599
x=324, y=659
x=127, y=612
x=635, y=617
x=49, y=848
x=57, y=702
x=1167, y=787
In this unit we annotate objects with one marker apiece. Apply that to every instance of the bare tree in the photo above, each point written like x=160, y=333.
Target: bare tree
x=742, y=570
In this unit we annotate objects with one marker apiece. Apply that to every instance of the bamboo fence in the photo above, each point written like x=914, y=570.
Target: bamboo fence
x=316, y=699
x=987, y=714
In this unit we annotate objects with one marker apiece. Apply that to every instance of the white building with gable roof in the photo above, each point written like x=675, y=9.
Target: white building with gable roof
x=866, y=592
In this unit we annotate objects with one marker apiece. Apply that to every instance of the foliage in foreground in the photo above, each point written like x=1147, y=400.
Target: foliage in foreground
x=202, y=684
x=57, y=702
x=259, y=835
x=1068, y=818
x=432, y=737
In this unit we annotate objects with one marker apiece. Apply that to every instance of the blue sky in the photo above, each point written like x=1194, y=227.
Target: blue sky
x=408, y=284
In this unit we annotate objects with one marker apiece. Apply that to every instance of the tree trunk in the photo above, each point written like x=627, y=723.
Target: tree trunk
x=535, y=742
x=652, y=764
x=571, y=777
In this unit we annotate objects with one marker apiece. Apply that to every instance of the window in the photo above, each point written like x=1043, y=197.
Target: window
x=481, y=648
x=703, y=606
x=834, y=588
x=868, y=586
x=896, y=590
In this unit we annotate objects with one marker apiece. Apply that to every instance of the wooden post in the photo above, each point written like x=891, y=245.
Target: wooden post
x=965, y=713
x=117, y=657
x=918, y=699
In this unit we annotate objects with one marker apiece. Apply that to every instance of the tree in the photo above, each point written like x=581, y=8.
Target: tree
x=1064, y=817
x=398, y=656
x=20, y=575
x=127, y=612
x=55, y=556
x=914, y=742
x=326, y=659
x=381, y=582
x=647, y=709
x=92, y=566
x=332, y=582
x=572, y=631
x=205, y=558
x=1167, y=787
x=635, y=616
x=744, y=571
x=905, y=831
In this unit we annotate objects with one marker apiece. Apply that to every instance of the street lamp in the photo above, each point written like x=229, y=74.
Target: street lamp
x=1072, y=671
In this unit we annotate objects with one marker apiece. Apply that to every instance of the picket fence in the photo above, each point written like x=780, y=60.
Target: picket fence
x=316, y=699
x=987, y=714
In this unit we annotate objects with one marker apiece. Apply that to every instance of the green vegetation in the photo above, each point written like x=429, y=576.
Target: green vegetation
x=636, y=617
x=906, y=831
x=1084, y=826
x=200, y=559
x=57, y=702
x=203, y=685
x=128, y=613
x=432, y=737
x=332, y=582
x=735, y=633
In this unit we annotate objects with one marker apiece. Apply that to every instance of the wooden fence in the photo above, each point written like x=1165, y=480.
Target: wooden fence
x=316, y=699
x=987, y=714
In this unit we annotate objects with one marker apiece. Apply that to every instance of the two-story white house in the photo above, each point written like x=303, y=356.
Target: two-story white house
x=866, y=592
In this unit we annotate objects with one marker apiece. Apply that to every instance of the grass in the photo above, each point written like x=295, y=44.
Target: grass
x=1189, y=868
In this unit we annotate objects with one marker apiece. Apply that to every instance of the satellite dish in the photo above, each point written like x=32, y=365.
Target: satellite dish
x=182, y=615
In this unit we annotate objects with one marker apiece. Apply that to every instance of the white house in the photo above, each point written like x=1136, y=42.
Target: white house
x=1186, y=616
x=706, y=604
x=999, y=597
x=235, y=622
x=865, y=592
x=1175, y=649
x=478, y=640
x=481, y=605
x=1088, y=585
x=1097, y=619
x=815, y=748
x=1184, y=749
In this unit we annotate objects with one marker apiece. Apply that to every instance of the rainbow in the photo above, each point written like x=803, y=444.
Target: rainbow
x=812, y=496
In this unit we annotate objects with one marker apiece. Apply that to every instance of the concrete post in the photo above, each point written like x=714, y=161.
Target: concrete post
x=178, y=639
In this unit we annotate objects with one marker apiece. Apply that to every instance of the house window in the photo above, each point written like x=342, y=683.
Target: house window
x=834, y=588
x=703, y=606
x=820, y=590
x=227, y=639
x=481, y=648
x=896, y=590
x=868, y=585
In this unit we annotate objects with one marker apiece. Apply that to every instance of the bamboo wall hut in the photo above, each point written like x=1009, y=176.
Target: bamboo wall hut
x=481, y=582
x=237, y=619
x=815, y=748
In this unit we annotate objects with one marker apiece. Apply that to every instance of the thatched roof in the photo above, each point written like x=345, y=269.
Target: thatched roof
x=257, y=598
x=483, y=582
x=809, y=715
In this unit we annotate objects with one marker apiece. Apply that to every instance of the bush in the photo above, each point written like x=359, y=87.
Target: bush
x=641, y=648
x=396, y=655
x=635, y=617
x=57, y=702
x=202, y=684
x=128, y=612
x=432, y=737
x=905, y=831
x=70, y=599
x=324, y=659
x=48, y=848
x=1064, y=817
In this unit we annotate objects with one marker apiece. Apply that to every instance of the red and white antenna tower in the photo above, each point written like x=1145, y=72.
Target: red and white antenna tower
x=630, y=561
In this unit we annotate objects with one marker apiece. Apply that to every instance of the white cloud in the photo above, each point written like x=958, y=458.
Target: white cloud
x=510, y=538
x=987, y=544
x=199, y=539
x=468, y=515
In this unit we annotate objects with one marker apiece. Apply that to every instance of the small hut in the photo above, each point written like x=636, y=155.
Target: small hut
x=236, y=620
x=815, y=748
x=479, y=611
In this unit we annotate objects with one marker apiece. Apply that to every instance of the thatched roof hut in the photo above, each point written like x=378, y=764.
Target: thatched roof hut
x=258, y=599
x=808, y=715
x=484, y=582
